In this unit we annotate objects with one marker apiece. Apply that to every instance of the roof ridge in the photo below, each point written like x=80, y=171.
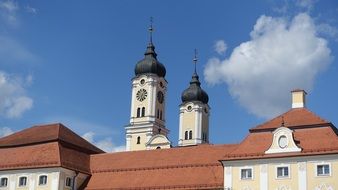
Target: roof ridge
x=314, y=114
x=278, y=116
x=292, y=118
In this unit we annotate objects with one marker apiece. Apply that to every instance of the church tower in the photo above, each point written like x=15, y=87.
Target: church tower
x=147, y=116
x=194, y=113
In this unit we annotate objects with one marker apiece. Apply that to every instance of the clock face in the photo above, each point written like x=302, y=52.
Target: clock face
x=141, y=95
x=160, y=97
x=283, y=141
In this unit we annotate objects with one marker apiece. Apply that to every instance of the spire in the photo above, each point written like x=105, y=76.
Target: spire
x=194, y=92
x=195, y=77
x=150, y=64
x=195, y=61
x=151, y=48
x=151, y=30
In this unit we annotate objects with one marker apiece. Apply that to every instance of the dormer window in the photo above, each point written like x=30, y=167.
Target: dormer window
x=282, y=141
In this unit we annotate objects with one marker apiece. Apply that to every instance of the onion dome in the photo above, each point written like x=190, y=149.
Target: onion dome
x=150, y=64
x=194, y=92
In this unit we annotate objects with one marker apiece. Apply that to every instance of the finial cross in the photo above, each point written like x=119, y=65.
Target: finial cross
x=195, y=59
x=151, y=29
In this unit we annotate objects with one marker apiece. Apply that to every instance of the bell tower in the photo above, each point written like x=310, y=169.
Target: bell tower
x=149, y=87
x=194, y=113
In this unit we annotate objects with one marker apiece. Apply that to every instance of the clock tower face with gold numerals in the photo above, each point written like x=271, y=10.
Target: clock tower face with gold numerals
x=141, y=95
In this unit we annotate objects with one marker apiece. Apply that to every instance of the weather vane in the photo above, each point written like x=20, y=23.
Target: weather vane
x=195, y=59
x=283, y=123
x=151, y=30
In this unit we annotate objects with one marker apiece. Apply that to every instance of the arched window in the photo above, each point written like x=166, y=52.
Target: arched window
x=43, y=180
x=143, y=111
x=190, y=134
x=138, y=140
x=138, y=112
x=186, y=135
x=158, y=147
x=158, y=114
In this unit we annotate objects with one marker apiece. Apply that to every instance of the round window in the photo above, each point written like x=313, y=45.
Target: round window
x=283, y=141
x=189, y=108
x=142, y=81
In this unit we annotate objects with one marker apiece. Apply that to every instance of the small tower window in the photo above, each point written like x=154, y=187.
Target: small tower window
x=138, y=112
x=186, y=135
x=143, y=111
x=138, y=140
x=190, y=134
x=160, y=115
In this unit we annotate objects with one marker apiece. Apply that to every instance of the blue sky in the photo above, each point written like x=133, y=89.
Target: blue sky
x=72, y=61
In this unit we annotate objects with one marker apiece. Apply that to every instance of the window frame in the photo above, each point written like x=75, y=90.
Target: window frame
x=246, y=168
x=283, y=176
x=40, y=184
x=71, y=182
x=138, y=112
x=2, y=178
x=323, y=164
x=19, y=180
x=190, y=135
x=143, y=112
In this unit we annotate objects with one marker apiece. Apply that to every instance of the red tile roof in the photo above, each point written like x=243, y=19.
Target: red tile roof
x=311, y=133
x=46, y=146
x=33, y=156
x=296, y=117
x=195, y=167
x=48, y=133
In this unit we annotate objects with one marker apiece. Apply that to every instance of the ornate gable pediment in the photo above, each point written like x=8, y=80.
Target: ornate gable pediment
x=283, y=142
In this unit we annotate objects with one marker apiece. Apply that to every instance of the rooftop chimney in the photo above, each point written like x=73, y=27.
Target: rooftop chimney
x=298, y=98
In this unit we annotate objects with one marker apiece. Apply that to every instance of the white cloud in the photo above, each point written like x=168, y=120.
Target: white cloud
x=328, y=30
x=8, y=11
x=105, y=144
x=307, y=4
x=12, y=52
x=13, y=99
x=220, y=47
x=281, y=55
x=5, y=131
